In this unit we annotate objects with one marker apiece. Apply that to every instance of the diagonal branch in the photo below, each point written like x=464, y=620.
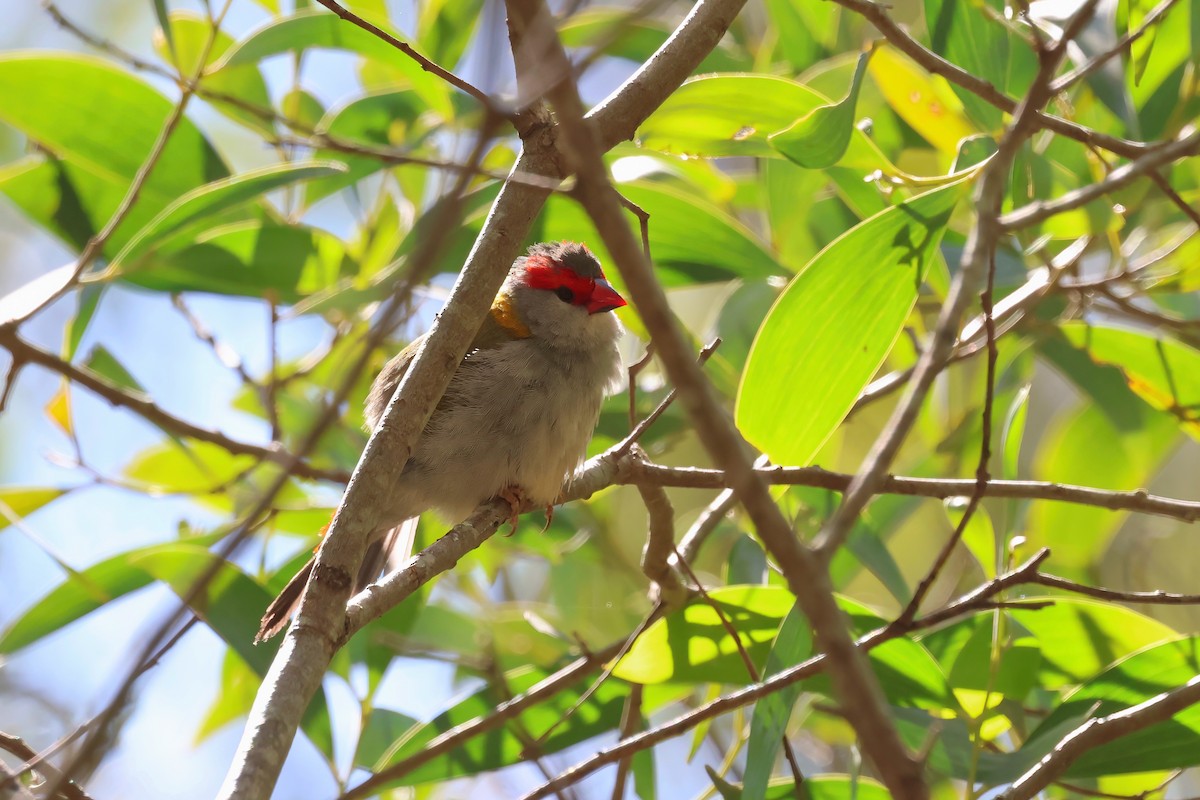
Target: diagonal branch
x=25, y=353
x=1099, y=731
x=855, y=684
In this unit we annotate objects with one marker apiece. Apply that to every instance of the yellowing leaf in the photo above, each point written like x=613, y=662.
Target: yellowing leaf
x=922, y=100
x=59, y=409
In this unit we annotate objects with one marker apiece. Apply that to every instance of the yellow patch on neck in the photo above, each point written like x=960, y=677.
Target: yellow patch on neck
x=505, y=316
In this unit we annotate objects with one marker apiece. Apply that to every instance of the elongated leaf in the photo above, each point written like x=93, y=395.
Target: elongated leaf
x=963, y=33
x=249, y=259
x=1174, y=744
x=213, y=198
x=691, y=645
x=57, y=100
x=638, y=38
x=385, y=741
x=771, y=714
x=820, y=138
x=1162, y=371
x=183, y=41
x=1076, y=638
x=834, y=324
x=76, y=597
x=920, y=100
x=819, y=787
x=227, y=596
x=732, y=115
x=23, y=501
x=319, y=29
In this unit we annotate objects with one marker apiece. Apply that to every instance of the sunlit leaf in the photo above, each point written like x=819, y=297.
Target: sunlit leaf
x=834, y=324
x=214, y=198
x=922, y=100
x=1173, y=744
x=820, y=138
x=732, y=115
x=23, y=501
x=966, y=34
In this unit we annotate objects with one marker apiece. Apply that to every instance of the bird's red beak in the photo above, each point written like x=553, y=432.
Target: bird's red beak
x=604, y=298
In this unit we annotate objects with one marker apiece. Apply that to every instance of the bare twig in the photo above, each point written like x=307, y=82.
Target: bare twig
x=637, y=433
x=66, y=789
x=425, y=64
x=941, y=488
x=1186, y=145
x=1121, y=46
x=631, y=721
x=152, y=413
x=855, y=684
x=977, y=255
x=1099, y=731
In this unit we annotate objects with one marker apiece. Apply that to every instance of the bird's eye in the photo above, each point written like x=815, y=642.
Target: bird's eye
x=565, y=294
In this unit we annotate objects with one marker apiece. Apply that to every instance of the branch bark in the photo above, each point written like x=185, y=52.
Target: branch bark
x=309, y=645
x=854, y=682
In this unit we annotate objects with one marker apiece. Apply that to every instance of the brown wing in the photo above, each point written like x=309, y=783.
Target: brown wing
x=491, y=334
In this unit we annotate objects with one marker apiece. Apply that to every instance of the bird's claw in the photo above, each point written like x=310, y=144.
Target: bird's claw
x=515, y=497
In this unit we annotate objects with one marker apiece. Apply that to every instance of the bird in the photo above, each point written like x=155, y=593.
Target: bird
x=517, y=416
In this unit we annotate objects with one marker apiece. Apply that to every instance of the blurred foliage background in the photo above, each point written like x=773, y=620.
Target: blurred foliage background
x=808, y=197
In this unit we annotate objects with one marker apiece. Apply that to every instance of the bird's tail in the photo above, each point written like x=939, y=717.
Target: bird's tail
x=388, y=551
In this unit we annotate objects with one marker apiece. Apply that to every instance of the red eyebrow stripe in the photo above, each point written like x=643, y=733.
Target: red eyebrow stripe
x=542, y=273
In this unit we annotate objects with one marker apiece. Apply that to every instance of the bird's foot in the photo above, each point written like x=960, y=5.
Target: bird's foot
x=515, y=497
x=549, y=517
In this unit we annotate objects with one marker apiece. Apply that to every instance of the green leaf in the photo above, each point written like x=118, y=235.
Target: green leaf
x=835, y=323
x=819, y=139
x=22, y=501
x=963, y=33
x=1076, y=639
x=103, y=362
x=56, y=100
x=1169, y=745
x=732, y=115
x=214, y=198
x=81, y=594
x=185, y=38
x=979, y=535
x=249, y=259
x=89, y=300
x=387, y=119
x=638, y=38
x=383, y=742
x=239, y=685
x=318, y=29
x=228, y=594
x=691, y=645
x=1162, y=371
x=819, y=787
x=1014, y=432
x=192, y=468
x=771, y=714
x=445, y=26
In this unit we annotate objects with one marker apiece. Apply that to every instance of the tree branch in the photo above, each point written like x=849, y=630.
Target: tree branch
x=855, y=684
x=940, y=488
x=25, y=353
x=1098, y=731
x=1188, y=144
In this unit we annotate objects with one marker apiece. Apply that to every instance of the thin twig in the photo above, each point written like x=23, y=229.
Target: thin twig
x=1122, y=45
x=940, y=488
x=425, y=64
x=637, y=433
